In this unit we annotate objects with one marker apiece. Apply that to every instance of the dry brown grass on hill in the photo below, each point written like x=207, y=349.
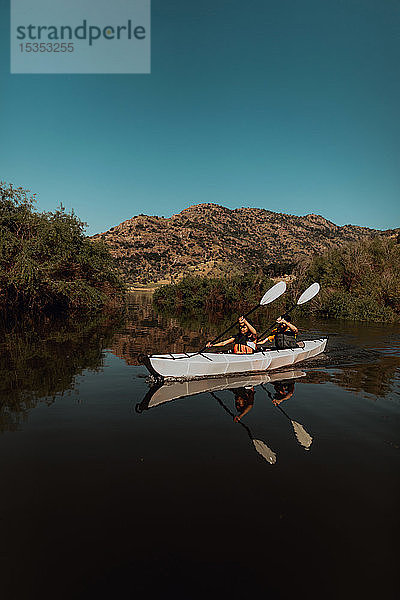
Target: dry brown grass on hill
x=212, y=240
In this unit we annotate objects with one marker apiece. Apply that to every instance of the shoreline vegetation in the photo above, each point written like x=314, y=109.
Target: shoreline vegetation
x=47, y=264
x=359, y=281
x=212, y=294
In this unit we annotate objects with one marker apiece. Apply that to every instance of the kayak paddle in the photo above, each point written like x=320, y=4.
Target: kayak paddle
x=272, y=294
x=307, y=295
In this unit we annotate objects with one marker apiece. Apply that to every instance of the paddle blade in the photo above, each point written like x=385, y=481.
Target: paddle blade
x=309, y=293
x=273, y=293
x=303, y=437
x=265, y=451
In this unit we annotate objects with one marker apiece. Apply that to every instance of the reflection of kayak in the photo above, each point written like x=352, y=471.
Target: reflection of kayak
x=195, y=365
x=158, y=394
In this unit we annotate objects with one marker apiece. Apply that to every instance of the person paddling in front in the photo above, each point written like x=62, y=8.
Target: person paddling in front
x=284, y=334
x=244, y=342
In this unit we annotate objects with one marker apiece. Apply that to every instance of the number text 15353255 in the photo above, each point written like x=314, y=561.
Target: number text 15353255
x=47, y=47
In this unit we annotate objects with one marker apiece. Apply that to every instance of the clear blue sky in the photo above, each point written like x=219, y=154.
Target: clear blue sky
x=287, y=105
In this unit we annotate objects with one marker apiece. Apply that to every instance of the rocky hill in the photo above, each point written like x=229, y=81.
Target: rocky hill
x=211, y=239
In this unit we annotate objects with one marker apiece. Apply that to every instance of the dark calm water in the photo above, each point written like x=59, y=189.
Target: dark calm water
x=108, y=491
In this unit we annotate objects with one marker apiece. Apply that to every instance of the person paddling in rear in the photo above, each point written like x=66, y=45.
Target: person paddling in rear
x=284, y=334
x=244, y=342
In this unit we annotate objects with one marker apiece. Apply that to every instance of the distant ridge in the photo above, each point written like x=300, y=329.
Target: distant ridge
x=209, y=239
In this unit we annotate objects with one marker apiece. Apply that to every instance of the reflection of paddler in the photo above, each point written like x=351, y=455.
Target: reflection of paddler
x=244, y=400
x=259, y=445
x=284, y=334
x=283, y=391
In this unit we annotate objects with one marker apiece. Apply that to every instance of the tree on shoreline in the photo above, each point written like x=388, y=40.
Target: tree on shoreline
x=359, y=281
x=46, y=261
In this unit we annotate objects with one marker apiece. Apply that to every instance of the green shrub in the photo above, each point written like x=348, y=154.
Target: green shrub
x=217, y=294
x=47, y=262
x=359, y=281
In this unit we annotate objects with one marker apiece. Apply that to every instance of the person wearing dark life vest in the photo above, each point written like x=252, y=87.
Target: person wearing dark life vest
x=284, y=334
x=244, y=341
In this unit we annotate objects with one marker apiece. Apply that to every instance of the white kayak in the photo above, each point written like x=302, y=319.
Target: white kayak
x=194, y=365
x=172, y=390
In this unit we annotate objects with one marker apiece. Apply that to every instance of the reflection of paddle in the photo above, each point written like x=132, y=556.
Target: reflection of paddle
x=272, y=294
x=260, y=446
x=307, y=295
x=301, y=434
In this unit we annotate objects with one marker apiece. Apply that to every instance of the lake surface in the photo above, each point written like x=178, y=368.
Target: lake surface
x=111, y=491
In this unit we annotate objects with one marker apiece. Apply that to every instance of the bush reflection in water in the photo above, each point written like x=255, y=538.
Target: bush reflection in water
x=40, y=359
